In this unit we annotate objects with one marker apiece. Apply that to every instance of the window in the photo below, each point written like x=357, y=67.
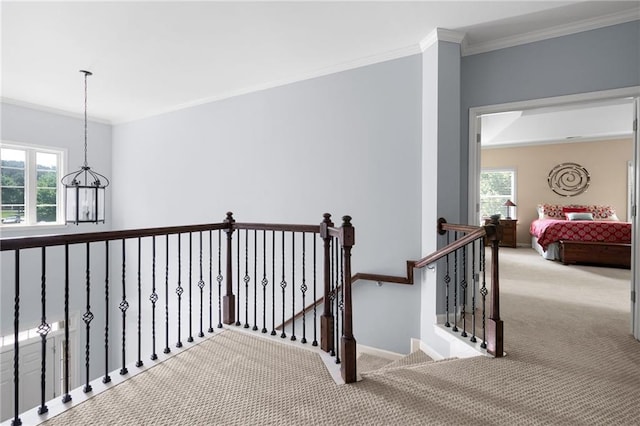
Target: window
x=31, y=333
x=30, y=189
x=496, y=187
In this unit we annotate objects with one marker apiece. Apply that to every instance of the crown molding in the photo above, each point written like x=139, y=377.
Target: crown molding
x=441, y=34
x=557, y=31
x=51, y=110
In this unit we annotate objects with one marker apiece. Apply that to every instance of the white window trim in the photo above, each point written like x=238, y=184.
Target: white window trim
x=30, y=175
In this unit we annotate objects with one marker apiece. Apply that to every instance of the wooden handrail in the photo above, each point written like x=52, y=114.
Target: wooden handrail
x=277, y=227
x=18, y=243
x=411, y=264
x=473, y=233
x=450, y=248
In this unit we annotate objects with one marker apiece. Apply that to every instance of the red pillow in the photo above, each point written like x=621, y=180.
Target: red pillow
x=574, y=210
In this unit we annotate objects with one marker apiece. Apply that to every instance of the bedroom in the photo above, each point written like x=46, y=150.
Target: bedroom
x=591, y=144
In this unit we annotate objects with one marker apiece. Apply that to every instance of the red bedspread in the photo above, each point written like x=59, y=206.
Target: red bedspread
x=549, y=231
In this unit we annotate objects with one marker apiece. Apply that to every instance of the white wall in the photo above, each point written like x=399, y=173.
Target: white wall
x=348, y=143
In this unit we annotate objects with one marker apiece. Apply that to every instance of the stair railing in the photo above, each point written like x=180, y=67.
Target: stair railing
x=459, y=268
x=460, y=239
x=273, y=267
x=472, y=238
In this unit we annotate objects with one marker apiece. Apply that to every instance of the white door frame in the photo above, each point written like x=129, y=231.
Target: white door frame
x=474, y=166
x=635, y=248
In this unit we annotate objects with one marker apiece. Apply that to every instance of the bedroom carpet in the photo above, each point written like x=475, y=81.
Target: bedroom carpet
x=571, y=361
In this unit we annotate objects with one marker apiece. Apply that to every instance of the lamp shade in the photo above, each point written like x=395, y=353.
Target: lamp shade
x=509, y=204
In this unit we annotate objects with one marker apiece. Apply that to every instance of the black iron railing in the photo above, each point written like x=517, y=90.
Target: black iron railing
x=274, y=268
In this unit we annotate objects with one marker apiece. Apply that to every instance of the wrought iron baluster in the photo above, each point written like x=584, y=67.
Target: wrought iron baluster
x=463, y=284
x=315, y=296
x=447, y=280
x=190, y=284
x=166, y=349
x=201, y=287
x=341, y=304
x=273, y=281
x=255, y=280
x=87, y=317
x=106, y=378
x=265, y=281
x=179, y=291
x=210, y=330
x=16, y=331
x=246, y=278
x=124, y=305
x=475, y=284
x=303, y=289
x=293, y=286
x=238, y=323
x=455, y=286
x=283, y=286
x=332, y=294
x=219, y=278
x=66, y=397
x=338, y=298
x=139, y=361
x=43, y=330
x=153, y=298
x=483, y=293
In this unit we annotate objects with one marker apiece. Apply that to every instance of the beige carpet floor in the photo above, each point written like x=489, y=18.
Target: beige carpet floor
x=571, y=361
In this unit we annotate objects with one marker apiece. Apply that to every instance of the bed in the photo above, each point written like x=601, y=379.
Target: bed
x=581, y=234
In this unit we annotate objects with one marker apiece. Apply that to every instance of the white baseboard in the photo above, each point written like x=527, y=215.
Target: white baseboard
x=420, y=345
x=378, y=352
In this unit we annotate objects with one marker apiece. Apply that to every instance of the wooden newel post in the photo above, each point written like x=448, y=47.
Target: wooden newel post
x=347, y=342
x=326, y=320
x=229, y=299
x=495, y=326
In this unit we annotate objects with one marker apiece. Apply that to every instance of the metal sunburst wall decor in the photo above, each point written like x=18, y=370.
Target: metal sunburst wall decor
x=568, y=179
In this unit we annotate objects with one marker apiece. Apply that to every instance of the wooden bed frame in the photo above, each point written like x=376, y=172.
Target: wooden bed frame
x=596, y=253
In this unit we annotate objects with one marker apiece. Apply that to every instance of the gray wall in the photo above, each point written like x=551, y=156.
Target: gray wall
x=601, y=59
x=347, y=143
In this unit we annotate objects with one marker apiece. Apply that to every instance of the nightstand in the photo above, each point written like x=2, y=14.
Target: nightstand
x=509, y=232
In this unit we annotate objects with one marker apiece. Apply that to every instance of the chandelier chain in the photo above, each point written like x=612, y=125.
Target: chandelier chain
x=86, y=73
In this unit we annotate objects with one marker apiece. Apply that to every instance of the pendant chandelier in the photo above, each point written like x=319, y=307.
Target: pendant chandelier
x=85, y=189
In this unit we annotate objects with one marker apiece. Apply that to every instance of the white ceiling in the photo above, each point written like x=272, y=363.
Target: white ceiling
x=152, y=57
x=587, y=121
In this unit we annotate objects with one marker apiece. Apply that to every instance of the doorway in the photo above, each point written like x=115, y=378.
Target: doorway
x=509, y=113
x=30, y=368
